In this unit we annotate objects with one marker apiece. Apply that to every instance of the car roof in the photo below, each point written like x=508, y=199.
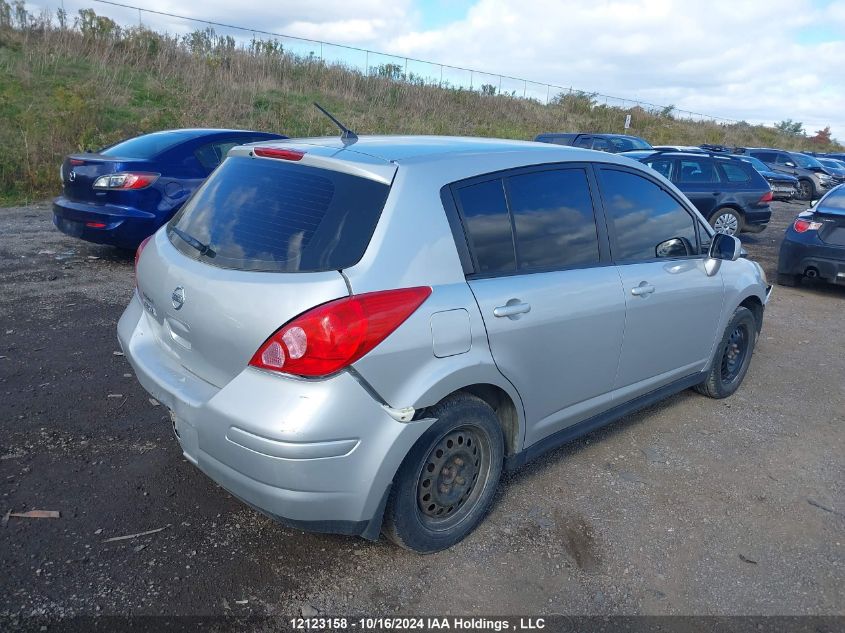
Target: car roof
x=399, y=149
x=444, y=158
x=574, y=134
x=201, y=131
x=771, y=149
x=642, y=153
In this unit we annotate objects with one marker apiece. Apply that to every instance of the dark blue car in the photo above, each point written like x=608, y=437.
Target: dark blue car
x=125, y=192
x=814, y=244
x=727, y=191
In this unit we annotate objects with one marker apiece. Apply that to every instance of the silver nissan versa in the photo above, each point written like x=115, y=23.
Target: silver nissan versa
x=357, y=336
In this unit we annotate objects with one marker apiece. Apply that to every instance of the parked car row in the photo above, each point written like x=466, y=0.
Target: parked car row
x=729, y=192
x=813, y=179
x=125, y=192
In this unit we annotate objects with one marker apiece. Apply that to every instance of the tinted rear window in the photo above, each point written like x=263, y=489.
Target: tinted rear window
x=693, y=170
x=766, y=157
x=834, y=202
x=734, y=172
x=147, y=146
x=554, y=221
x=272, y=215
x=627, y=143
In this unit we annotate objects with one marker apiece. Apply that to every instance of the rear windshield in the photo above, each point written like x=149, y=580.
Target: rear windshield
x=148, y=145
x=278, y=216
x=834, y=202
x=627, y=143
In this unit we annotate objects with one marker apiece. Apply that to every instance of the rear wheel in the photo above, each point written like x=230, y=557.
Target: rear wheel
x=788, y=280
x=733, y=355
x=727, y=221
x=446, y=484
x=806, y=189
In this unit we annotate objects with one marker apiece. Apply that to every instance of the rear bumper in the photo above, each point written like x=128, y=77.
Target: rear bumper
x=783, y=191
x=318, y=455
x=125, y=227
x=828, y=262
x=758, y=217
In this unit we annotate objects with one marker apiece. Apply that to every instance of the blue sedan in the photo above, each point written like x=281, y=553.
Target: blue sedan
x=125, y=192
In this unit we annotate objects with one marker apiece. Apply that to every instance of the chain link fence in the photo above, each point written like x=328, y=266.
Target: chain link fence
x=375, y=63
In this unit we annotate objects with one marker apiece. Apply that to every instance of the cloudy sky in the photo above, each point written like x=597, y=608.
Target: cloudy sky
x=758, y=60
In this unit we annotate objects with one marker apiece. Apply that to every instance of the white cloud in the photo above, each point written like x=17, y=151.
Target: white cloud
x=729, y=58
x=739, y=60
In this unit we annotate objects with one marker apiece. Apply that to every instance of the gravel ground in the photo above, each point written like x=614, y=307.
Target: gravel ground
x=694, y=506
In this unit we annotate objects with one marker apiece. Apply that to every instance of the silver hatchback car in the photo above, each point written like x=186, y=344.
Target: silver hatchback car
x=358, y=338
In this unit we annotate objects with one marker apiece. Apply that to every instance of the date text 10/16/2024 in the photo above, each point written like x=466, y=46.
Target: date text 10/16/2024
x=451, y=623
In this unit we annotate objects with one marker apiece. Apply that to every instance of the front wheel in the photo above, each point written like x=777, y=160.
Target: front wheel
x=726, y=221
x=445, y=485
x=732, y=357
x=806, y=189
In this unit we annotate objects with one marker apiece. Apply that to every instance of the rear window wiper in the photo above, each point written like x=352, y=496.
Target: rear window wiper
x=204, y=249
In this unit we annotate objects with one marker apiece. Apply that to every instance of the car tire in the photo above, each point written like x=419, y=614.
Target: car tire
x=732, y=357
x=806, y=190
x=446, y=483
x=727, y=220
x=788, y=280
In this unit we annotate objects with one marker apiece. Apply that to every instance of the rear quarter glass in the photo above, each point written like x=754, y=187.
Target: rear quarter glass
x=264, y=214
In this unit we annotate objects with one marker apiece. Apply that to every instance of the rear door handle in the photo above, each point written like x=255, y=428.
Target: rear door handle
x=642, y=290
x=511, y=309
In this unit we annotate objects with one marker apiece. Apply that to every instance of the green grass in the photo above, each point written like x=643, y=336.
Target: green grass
x=63, y=91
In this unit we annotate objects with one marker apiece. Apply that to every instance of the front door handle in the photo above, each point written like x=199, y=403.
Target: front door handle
x=642, y=290
x=512, y=308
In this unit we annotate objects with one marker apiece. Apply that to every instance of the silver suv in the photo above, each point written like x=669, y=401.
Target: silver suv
x=358, y=338
x=813, y=179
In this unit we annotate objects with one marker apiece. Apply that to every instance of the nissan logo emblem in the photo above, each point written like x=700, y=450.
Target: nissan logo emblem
x=178, y=297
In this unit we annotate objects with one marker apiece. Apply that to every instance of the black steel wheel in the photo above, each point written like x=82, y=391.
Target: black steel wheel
x=446, y=483
x=735, y=352
x=732, y=357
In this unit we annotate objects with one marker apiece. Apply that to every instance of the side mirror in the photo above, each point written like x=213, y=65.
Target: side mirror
x=725, y=247
x=789, y=163
x=674, y=247
x=813, y=203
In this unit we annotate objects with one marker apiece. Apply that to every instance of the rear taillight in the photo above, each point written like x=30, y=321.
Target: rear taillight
x=126, y=180
x=802, y=226
x=332, y=336
x=141, y=247
x=278, y=152
x=767, y=197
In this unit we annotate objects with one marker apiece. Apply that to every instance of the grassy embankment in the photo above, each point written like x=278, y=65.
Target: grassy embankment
x=87, y=85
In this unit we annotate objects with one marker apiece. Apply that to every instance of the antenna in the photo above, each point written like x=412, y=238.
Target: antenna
x=347, y=136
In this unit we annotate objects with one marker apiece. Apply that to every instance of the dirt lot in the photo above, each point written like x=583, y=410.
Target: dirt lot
x=694, y=506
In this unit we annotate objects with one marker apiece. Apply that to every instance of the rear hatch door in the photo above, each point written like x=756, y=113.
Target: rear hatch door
x=262, y=241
